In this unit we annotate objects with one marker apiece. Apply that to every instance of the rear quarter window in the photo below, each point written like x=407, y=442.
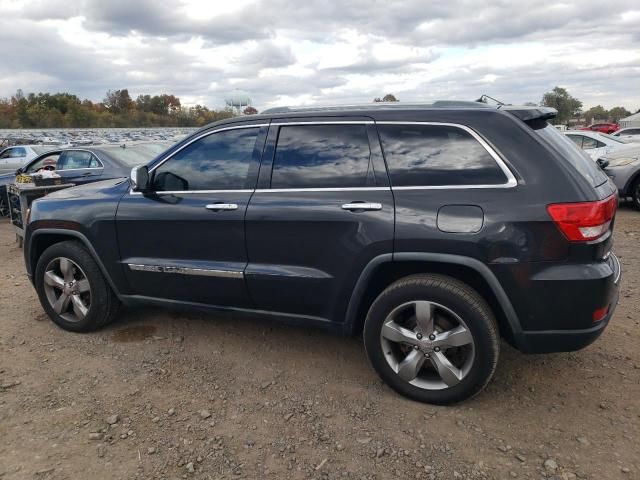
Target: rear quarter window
x=579, y=160
x=437, y=155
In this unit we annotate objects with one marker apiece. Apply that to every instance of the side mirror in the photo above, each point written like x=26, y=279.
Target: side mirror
x=602, y=163
x=140, y=178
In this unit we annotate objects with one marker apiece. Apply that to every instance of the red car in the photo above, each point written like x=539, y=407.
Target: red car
x=603, y=127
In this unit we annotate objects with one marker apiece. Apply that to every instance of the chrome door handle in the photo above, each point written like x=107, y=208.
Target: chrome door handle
x=362, y=206
x=222, y=206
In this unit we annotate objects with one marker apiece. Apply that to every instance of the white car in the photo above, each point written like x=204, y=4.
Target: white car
x=14, y=157
x=630, y=134
x=597, y=144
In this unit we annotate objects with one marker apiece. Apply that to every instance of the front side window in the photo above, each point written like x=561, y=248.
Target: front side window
x=436, y=155
x=16, y=152
x=219, y=161
x=321, y=156
x=71, y=160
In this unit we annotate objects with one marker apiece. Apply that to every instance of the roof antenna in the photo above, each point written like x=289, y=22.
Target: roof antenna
x=483, y=99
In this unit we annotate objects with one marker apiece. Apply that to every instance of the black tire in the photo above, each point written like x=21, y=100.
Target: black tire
x=4, y=208
x=104, y=304
x=460, y=299
x=635, y=194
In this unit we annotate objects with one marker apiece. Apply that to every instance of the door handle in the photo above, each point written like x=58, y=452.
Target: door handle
x=222, y=206
x=362, y=206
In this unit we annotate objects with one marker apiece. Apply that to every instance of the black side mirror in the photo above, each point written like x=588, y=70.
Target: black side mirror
x=140, y=178
x=602, y=163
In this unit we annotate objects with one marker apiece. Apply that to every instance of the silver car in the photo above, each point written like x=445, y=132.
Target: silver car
x=623, y=167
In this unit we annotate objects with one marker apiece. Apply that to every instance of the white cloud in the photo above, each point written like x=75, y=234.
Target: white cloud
x=323, y=51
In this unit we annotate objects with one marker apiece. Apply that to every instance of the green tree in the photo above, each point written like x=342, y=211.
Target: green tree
x=566, y=105
x=616, y=113
x=596, y=113
x=389, y=97
x=118, y=101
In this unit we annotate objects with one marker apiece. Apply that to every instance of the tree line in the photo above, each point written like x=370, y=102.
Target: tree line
x=118, y=109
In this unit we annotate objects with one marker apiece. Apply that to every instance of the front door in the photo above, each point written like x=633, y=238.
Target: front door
x=322, y=211
x=184, y=240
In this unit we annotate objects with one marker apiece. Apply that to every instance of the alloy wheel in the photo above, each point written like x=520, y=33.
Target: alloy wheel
x=67, y=289
x=427, y=345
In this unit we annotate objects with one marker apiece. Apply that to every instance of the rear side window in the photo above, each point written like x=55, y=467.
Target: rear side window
x=321, y=156
x=436, y=155
x=567, y=150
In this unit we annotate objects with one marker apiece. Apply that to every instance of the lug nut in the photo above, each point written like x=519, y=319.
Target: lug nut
x=432, y=337
x=436, y=349
x=426, y=355
x=415, y=347
x=419, y=336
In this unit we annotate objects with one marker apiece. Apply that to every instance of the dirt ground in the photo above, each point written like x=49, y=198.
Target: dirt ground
x=174, y=395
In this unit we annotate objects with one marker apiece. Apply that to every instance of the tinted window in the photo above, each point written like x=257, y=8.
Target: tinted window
x=579, y=160
x=77, y=159
x=219, y=161
x=429, y=155
x=321, y=156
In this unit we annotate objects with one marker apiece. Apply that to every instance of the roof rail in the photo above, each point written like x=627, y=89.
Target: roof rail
x=379, y=105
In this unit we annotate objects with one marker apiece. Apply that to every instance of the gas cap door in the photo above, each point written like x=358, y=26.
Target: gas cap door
x=460, y=218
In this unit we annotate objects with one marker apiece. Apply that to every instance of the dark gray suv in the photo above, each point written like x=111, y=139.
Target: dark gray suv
x=433, y=230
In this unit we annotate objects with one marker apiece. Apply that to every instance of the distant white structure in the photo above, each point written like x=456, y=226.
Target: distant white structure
x=631, y=121
x=238, y=101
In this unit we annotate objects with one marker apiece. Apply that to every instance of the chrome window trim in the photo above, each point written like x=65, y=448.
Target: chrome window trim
x=511, y=179
x=327, y=189
x=204, y=272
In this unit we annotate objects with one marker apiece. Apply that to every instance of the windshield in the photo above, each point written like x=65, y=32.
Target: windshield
x=134, y=155
x=611, y=137
x=572, y=154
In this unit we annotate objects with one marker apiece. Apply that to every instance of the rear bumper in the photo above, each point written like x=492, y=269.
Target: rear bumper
x=571, y=339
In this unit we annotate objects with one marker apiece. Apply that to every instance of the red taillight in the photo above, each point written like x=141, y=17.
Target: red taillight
x=583, y=221
x=600, y=313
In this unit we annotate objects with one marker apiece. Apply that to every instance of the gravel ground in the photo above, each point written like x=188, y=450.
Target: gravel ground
x=175, y=395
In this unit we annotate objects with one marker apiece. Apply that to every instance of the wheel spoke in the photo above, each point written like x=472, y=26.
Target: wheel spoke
x=62, y=303
x=66, y=269
x=83, y=285
x=409, y=368
x=456, y=337
x=398, y=334
x=78, y=307
x=53, y=280
x=424, y=317
x=449, y=373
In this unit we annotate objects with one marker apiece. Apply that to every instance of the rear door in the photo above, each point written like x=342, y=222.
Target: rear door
x=323, y=209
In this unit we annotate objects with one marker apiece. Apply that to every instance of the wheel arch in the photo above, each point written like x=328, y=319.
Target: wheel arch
x=385, y=269
x=42, y=239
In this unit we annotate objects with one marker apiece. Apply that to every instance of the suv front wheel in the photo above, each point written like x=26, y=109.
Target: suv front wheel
x=432, y=338
x=73, y=290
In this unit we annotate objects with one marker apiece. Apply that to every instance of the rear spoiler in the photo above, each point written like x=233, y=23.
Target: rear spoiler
x=527, y=114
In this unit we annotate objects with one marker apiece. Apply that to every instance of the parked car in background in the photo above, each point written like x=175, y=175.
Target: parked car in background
x=433, y=230
x=16, y=156
x=630, y=134
x=87, y=164
x=596, y=144
x=623, y=167
x=602, y=127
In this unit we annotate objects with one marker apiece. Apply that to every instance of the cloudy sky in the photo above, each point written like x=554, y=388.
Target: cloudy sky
x=323, y=51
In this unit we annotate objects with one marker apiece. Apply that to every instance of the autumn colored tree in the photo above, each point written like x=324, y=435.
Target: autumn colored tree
x=250, y=110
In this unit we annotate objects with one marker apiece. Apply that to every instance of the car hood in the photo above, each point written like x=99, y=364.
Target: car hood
x=94, y=189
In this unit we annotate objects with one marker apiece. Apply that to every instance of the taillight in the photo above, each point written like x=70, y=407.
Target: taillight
x=583, y=221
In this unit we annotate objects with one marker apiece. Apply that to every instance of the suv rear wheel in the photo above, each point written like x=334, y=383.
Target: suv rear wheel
x=432, y=338
x=72, y=289
x=635, y=194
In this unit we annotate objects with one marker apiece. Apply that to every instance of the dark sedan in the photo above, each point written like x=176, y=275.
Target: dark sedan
x=87, y=164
